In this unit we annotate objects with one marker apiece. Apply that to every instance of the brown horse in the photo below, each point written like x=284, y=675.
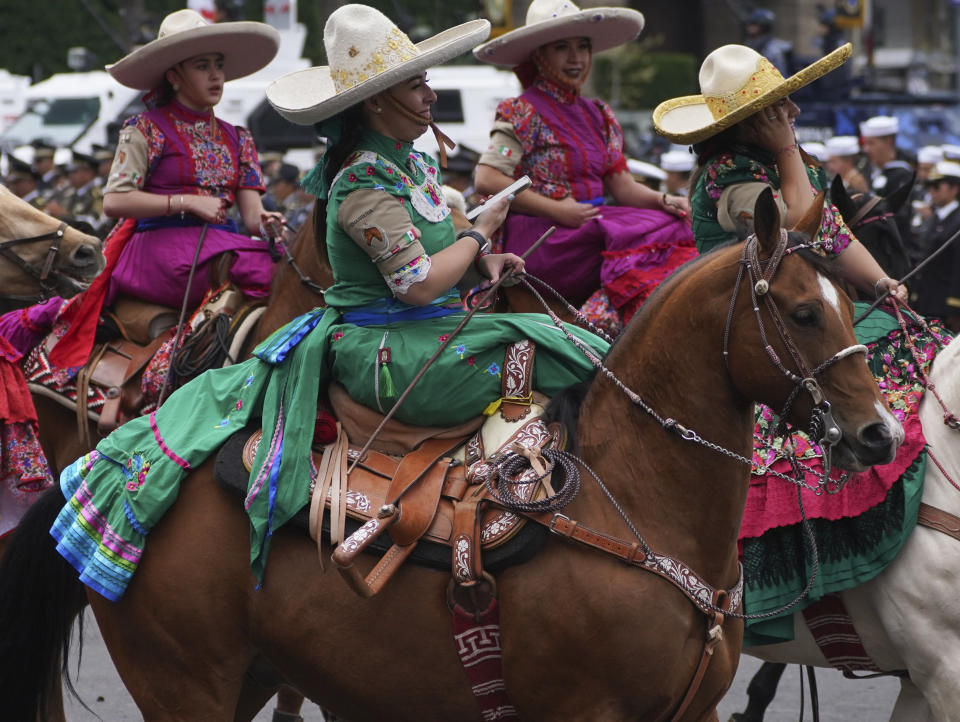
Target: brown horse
x=41, y=256
x=584, y=636
x=296, y=287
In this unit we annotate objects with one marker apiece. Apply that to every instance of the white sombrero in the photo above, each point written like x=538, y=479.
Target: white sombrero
x=368, y=53
x=735, y=82
x=246, y=47
x=551, y=20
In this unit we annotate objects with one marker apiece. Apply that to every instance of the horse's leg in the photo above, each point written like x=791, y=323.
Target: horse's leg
x=760, y=692
x=190, y=593
x=911, y=705
x=58, y=434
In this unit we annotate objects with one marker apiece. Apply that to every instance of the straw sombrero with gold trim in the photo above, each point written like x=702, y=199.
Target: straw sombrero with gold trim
x=368, y=53
x=735, y=82
x=246, y=47
x=550, y=20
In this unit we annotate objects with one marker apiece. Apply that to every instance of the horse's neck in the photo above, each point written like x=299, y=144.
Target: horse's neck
x=289, y=297
x=943, y=441
x=686, y=499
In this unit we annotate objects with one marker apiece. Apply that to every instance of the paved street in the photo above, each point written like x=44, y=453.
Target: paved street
x=841, y=700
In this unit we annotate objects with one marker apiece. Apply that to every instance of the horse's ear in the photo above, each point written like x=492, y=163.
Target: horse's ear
x=900, y=196
x=809, y=225
x=840, y=198
x=766, y=220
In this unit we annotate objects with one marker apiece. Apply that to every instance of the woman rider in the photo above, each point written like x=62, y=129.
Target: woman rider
x=572, y=149
x=177, y=170
x=742, y=130
x=396, y=262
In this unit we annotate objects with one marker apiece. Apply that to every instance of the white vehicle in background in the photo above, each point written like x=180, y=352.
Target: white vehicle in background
x=467, y=99
x=70, y=110
x=13, y=100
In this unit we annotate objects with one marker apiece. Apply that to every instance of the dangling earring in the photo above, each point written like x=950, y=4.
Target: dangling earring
x=377, y=109
x=176, y=87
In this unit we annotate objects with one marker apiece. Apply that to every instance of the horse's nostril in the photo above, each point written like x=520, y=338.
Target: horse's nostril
x=876, y=436
x=84, y=256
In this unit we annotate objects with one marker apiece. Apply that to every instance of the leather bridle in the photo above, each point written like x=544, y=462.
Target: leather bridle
x=44, y=273
x=823, y=427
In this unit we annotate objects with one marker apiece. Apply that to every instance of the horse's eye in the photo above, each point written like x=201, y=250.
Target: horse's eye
x=805, y=316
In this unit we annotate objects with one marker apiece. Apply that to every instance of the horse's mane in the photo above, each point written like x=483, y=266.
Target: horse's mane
x=564, y=407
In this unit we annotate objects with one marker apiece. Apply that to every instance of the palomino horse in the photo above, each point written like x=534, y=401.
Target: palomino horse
x=908, y=616
x=584, y=636
x=41, y=256
x=296, y=287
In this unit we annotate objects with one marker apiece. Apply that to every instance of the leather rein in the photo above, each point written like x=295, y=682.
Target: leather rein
x=44, y=273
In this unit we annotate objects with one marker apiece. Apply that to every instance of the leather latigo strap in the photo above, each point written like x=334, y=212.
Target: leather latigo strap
x=938, y=519
x=674, y=571
x=516, y=384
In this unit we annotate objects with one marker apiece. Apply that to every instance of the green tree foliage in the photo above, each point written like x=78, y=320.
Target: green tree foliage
x=35, y=36
x=640, y=76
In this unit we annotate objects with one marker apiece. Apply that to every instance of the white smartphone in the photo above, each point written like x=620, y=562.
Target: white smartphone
x=515, y=187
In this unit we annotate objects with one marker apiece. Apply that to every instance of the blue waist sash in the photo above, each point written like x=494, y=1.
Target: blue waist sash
x=158, y=222
x=392, y=310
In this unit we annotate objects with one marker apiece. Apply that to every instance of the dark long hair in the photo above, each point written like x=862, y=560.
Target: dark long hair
x=334, y=158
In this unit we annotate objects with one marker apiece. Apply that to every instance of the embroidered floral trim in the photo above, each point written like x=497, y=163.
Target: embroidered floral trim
x=427, y=197
x=136, y=470
x=239, y=403
x=408, y=274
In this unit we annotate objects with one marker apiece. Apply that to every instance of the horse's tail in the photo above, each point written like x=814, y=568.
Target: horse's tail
x=40, y=598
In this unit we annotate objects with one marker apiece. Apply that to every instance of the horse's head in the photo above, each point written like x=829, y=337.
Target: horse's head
x=789, y=343
x=39, y=255
x=873, y=219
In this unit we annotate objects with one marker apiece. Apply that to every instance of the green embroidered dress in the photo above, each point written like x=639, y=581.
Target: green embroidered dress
x=117, y=493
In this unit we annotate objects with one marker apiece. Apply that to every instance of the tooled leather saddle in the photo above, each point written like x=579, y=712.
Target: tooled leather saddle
x=418, y=493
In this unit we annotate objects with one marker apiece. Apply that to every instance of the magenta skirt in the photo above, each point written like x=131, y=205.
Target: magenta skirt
x=627, y=251
x=155, y=265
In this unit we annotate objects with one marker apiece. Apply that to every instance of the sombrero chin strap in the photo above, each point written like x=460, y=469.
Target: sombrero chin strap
x=442, y=138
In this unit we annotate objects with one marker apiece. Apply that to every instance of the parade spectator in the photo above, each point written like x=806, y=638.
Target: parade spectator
x=104, y=156
x=572, y=149
x=677, y=164
x=937, y=290
x=888, y=170
x=927, y=157
x=288, y=198
x=270, y=162
x=744, y=147
x=45, y=167
x=842, y=152
x=816, y=150
x=646, y=173
x=177, y=171
x=23, y=182
x=84, y=199
x=459, y=173
x=758, y=35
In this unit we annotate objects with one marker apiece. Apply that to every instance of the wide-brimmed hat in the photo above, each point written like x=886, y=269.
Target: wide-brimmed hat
x=551, y=20
x=735, y=82
x=246, y=47
x=947, y=170
x=367, y=53
x=879, y=126
x=842, y=145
